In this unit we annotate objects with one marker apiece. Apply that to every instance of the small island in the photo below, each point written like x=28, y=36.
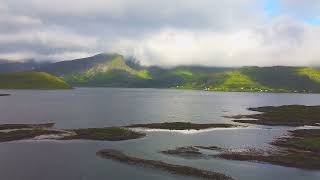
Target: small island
x=287, y=115
x=104, y=134
x=14, y=132
x=180, y=126
x=171, y=168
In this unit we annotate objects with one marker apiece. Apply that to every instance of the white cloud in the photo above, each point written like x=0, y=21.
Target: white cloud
x=283, y=42
x=167, y=32
x=301, y=8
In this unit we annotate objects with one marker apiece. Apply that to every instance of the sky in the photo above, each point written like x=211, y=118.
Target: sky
x=164, y=32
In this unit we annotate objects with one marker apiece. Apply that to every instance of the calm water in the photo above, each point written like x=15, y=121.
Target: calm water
x=99, y=107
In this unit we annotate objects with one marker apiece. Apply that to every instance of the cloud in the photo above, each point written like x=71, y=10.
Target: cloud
x=283, y=42
x=308, y=8
x=210, y=32
x=10, y=24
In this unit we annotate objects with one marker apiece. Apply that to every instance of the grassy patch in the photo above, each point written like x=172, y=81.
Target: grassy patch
x=237, y=81
x=144, y=74
x=311, y=73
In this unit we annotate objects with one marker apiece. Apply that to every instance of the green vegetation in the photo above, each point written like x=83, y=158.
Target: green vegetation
x=180, y=126
x=249, y=79
x=311, y=73
x=31, y=80
x=300, y=150
x=106, y=134
x=282, y=79
x=171, y=168
x=237, y=81
x=110, y=73
x=288, y=115
x=112, y=70
x=144, y=74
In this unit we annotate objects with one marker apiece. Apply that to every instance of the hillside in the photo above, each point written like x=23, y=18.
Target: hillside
x=31, y=80
x=112, y=70
x=108, y=70
x=78, y=65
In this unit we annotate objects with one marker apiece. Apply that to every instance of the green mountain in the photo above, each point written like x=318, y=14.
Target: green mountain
x=78, y=65
x=31, y=80
x=112, y=70
x=107, y=70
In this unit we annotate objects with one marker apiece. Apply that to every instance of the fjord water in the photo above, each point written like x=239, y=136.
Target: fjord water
x=101, y=107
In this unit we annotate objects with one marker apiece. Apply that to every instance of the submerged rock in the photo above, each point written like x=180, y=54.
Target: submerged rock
x=194, y=151
x=213, y=148
x=5, y=94
x=188, y=151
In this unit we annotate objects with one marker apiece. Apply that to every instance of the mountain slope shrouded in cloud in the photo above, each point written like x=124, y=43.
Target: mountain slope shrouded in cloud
x=7, y=66
x=112, y=70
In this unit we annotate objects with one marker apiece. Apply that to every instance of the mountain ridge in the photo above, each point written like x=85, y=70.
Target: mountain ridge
x=113, y=70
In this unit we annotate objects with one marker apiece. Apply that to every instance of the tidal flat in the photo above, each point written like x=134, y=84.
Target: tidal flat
x=300, y=150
